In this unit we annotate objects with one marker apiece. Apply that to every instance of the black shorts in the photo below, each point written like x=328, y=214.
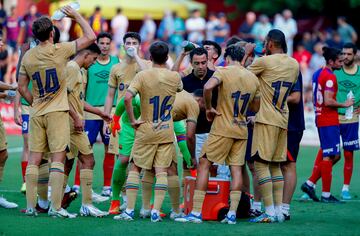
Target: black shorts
x=249, y=144
x=293, y=144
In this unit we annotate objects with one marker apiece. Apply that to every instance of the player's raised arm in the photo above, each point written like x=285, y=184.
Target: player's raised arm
x=89, y=36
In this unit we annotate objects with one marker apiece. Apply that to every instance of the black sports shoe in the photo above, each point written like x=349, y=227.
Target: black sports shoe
x=286, y=217
x=254, y=213
x=309, y=191
x=68, y=198
x=330, y=199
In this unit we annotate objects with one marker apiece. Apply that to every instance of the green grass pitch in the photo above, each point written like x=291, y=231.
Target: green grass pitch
x=307, y=218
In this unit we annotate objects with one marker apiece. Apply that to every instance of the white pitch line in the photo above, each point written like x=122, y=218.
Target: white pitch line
x=9, y=191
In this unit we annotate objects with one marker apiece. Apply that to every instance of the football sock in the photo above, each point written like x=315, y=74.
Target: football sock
x=44, y=204
x=32, y=174
x=234, y=200
x=181, y=141
x=348, y=166
x=285, y=208
x=256, y=206
x=345, y=187
x=108, y=166
x=67, y=188
x=278, y=184
x=66, y=177
x=43, y=181
x=316, y=172
x=86, y=179
x=23, y=169
x=326, y=175
x=56, y=180
x=174, y=192
x=118, y=179
x=1, y=173
x=198, y=201
x=147, y=187
x=265, y=186
x=132, y=188
x=325, y=194
x=77, y=174
x=160, y=188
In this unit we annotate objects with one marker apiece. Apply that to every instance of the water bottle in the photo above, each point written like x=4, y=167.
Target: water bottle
x=349, y=111
x=58, y=15
x=188, y=46
x=131, y=51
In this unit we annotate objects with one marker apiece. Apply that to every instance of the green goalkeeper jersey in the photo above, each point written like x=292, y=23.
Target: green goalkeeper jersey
x=347, y=82
x=97, y=82
x=120, y=110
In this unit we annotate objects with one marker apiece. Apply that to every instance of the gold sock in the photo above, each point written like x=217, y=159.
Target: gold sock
x=147, y=184
x=132, y=188
x=265, y=183
x=86, y=180
x=1, y=173
x=278, y=183
x=174, y=192
x=234, y=200
x=43, y=181
x=198, y=200
x=66, y=177
x=56, y=180
x=32, y=175
x=160, y=189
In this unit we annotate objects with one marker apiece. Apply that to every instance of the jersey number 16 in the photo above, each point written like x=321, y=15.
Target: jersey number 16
x=163, y=111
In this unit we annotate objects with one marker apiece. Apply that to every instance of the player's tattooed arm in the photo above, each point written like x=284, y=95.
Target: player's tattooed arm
x=89, y=36
x=211, y=112
x=254, y=106
x=24, y=89
x=329, y=101
x=17, y=112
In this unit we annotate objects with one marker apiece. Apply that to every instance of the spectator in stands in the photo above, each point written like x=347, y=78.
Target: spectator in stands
x=119, y=26
x=222, y=30
x=308, y=42
x=335, y=40
x=2, y=16
x=27, y=22
x=178, y=36
x=195, y=27
x=346, y=31
x=317, y=61
x=261, y=29
x=147, y=34
x=303, y=57
x=288, y=26
x=246, y=27
x=11, y=30
x=97, y=22
x=210, y=26
x=166, y=27
x=64, y=26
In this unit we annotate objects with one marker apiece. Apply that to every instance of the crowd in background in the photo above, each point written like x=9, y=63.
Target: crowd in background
x=174, y=30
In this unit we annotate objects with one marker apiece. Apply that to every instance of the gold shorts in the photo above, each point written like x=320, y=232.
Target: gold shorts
x=219, y=149
x=148, y=156
x=114, y=144
x=270, y=142
x=3, y=143
x=49, y=132
x=79, y=143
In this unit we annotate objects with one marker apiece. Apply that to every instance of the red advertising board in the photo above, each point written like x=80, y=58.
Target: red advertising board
x=7, y=116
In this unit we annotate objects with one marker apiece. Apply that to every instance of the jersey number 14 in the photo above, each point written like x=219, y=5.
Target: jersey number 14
x=51, y=82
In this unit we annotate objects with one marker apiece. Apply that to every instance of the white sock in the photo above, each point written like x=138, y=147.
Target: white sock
x=195, y=213
x=278, y=210
x=256, y=206
x=129, y=210
x=345, y=187
x=155, y=211
x=270, y=210
x=285, y=208
x=43, y=203
x=326, y=194
x=124, y=198
x=311, y=184
x=230, y=213
x=67, y=189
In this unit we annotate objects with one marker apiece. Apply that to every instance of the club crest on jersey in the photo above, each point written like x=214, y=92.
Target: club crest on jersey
x=123, y=86
x=81, y=96
x=329, y=83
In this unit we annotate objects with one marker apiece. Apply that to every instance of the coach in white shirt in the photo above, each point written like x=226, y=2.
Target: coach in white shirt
x=195, y=27
x=119, y=26
x=288, y=26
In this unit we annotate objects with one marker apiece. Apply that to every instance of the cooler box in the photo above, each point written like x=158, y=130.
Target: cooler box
x=216, y=202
